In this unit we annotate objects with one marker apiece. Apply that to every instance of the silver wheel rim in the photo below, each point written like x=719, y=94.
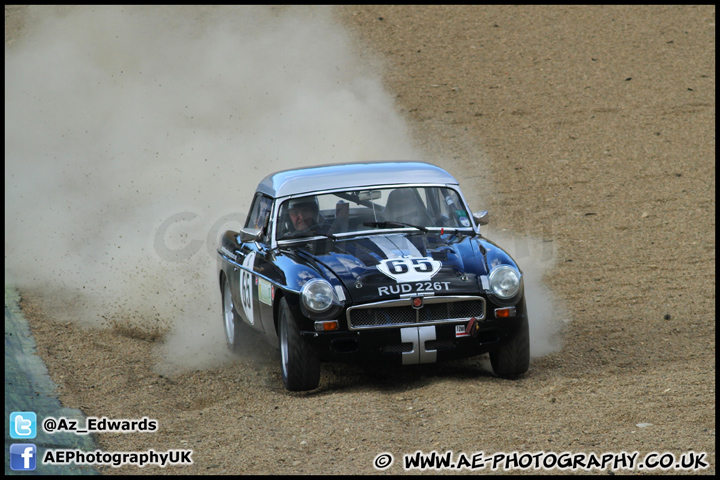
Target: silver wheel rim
x=228, y=313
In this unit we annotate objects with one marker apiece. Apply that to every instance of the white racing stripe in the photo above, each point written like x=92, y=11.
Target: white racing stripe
x=397, y=247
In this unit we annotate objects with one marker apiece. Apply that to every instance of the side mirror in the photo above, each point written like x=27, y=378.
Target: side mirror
x=250, y=235
x=482, y=217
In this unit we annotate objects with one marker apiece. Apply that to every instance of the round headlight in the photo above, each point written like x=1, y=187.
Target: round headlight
x=317, y=295
x=504, y=281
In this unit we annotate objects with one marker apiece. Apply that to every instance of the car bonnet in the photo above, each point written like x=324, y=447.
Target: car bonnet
x=383, y=267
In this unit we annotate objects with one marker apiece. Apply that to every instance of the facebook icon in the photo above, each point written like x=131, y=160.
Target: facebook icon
x=23, y=456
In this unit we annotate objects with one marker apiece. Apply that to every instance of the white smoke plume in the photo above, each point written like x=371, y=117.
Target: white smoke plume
x=125, y=122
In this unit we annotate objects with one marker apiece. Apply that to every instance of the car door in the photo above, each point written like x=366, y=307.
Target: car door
x=248, y=284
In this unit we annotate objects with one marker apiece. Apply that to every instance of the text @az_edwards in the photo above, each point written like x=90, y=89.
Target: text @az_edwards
x=99, y=425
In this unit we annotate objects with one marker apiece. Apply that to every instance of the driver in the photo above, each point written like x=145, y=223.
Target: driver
x=304, y=213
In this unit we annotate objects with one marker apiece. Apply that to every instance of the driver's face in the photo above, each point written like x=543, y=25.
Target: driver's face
x=302, y=217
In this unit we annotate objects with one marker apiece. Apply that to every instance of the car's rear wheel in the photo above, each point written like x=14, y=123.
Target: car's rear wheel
x=300, y=364
x=231, y=322
x=512, y=359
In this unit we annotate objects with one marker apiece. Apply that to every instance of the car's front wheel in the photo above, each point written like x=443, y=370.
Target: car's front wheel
x=300, y=364
x=512, y=359
x=231, y=322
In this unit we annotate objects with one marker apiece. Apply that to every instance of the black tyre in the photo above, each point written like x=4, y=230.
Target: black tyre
x=513, y=358
x=300, y=363
x=231, y=322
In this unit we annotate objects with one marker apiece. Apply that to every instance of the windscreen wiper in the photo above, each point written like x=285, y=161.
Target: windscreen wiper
x=394, y=225
x=457, y=231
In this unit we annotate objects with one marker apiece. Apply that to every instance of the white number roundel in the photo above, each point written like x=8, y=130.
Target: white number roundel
x=410, y=269
x=246, y=280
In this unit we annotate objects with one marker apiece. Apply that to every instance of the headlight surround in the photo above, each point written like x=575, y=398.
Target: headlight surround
x=317, y=296
x=505, y=282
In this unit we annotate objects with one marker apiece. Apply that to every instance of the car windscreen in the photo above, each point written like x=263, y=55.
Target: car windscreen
x=353, y=210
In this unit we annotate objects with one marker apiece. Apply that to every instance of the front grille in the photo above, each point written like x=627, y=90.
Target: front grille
x=452, y=310
x=395, y=313
x=373, y=317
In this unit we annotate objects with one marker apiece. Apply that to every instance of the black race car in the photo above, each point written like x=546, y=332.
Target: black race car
x=370, y=262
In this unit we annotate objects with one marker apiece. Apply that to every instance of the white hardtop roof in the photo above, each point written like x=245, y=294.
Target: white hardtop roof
x=352, y=175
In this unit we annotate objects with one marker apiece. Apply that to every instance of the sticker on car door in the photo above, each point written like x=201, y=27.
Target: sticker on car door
x=246, y=287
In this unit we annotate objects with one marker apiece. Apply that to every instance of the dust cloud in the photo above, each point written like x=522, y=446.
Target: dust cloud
x=135, y=135
x=536, y=257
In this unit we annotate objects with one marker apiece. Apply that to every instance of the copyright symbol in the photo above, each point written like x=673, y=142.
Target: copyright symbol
x=49, y=425
x=383, y=461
